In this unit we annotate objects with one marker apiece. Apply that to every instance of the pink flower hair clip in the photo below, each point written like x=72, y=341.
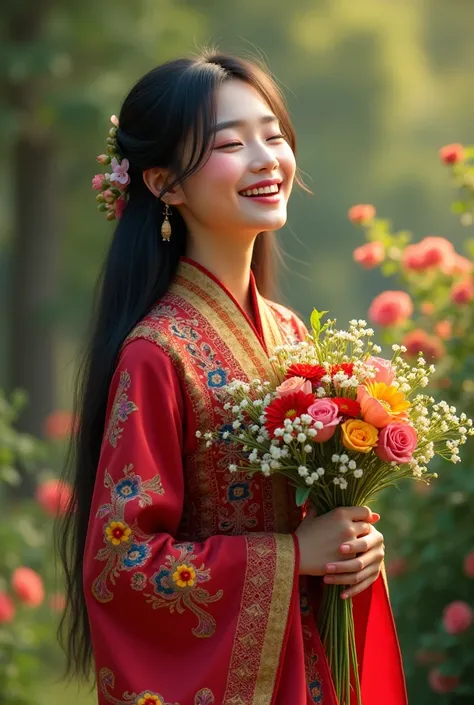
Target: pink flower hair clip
x=113, y=197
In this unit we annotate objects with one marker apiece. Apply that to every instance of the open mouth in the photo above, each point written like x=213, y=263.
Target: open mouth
x=259, y=192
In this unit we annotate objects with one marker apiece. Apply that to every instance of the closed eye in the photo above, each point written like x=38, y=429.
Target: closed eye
x=238, y=144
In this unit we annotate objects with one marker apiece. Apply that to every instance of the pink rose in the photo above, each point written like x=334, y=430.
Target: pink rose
x=440, y=683
x=7, y=608
x=469, y=565
x=28, y=586
x=418, y=340
x=397, y=441
x=413, y=258
x=362, y=213
x=390, y=308
x=293, y=385
x=452, y=153
x=438, y=252
x=463, y=292
x=54, y=496
x=461, y=265
x=457, y=617
x=444, y=329
x=327, y=412
x=384, y=370
x=370, y=255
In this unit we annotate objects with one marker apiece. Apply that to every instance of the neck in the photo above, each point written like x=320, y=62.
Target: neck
x=230, y=265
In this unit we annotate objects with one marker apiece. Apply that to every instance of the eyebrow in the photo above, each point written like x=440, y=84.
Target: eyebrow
x=241, y=123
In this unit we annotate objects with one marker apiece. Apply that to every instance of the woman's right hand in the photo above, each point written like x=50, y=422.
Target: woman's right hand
x=320, y=537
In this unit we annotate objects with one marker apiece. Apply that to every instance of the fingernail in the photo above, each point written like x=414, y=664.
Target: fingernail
x=345, y=548
x=375, y=516
x=328, y=579
x=331, y=568
x=344, y=596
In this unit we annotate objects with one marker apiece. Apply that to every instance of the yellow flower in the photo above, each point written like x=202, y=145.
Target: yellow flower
x=184, y=576
x=117, y=532
x=150, y=699
x=359, y=435
x=381, y=404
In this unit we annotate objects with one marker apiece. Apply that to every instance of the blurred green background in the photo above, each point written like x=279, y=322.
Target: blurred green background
x=375, y=88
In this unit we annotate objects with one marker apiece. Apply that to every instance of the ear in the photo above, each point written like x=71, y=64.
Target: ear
x=156, y=179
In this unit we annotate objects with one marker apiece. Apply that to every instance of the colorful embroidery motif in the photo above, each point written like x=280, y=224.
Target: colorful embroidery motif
x=177, y=585
x=313, y=677
x=146, y=697
x=121, y=410
x=126, y=547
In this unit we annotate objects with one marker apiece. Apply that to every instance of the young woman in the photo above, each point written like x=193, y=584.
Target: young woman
x=187, y=585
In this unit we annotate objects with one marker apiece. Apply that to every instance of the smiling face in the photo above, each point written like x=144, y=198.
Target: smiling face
x=247, y=149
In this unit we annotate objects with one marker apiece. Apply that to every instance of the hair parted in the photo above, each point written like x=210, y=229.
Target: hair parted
x=173, y=103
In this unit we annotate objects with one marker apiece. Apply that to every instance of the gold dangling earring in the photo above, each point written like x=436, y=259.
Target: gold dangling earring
x=166, y=225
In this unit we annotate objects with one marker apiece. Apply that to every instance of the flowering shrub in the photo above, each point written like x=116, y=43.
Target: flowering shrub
x=29, y=599
x=429, y=530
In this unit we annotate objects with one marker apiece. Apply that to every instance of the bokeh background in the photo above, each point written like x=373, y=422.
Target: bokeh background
x=375, y=88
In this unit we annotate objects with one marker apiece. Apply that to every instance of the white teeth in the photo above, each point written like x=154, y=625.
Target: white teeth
x=261, y=191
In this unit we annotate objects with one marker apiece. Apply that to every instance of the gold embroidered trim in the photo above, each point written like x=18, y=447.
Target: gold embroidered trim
x=277, y=619
x=262, y=620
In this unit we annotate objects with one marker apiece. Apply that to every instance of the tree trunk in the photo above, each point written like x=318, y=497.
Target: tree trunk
x=35, y=236
x=34, y=276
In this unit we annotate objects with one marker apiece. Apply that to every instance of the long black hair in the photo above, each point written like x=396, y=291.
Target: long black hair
x=171, y=103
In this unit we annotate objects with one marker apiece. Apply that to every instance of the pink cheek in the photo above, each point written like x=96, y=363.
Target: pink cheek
x=221, y=169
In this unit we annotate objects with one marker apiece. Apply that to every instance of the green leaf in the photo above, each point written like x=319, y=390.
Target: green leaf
x=458, y=207
x=315, y=321
x=302, y=494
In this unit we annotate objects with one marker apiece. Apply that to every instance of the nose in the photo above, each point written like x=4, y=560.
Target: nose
x=264, y=160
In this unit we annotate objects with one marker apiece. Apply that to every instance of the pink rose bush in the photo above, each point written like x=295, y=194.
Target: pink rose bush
x=433, y=524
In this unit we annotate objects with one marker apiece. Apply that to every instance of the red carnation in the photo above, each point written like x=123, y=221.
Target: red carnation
x=288, y=407
x=346, y=367
x=314, y=373
x=347, y=407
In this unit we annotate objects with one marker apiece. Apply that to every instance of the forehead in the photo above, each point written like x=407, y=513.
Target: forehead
x=237, y=100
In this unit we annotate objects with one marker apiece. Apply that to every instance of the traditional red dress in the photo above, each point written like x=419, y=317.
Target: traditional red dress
x=191, y=573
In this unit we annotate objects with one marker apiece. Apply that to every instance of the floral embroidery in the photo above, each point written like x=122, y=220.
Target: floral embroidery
x=216, y=378
x=241, y=515
x=177, y=585
x=313, y=678
x=126, y=546
x=146, y=697
x=121, y=410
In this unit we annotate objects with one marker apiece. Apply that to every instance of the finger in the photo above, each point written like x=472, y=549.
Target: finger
x=355, y=530
x=363, y=543
x=353, y=578
x=362, y=514
x=360, y=587
x=373, y=556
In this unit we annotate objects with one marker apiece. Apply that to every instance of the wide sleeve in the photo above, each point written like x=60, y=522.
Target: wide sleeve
x=174, y=621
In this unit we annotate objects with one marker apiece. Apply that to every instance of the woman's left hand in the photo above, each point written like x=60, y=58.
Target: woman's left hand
x=361, y=571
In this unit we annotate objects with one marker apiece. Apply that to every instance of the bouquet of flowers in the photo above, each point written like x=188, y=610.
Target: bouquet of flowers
x=341, y=424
